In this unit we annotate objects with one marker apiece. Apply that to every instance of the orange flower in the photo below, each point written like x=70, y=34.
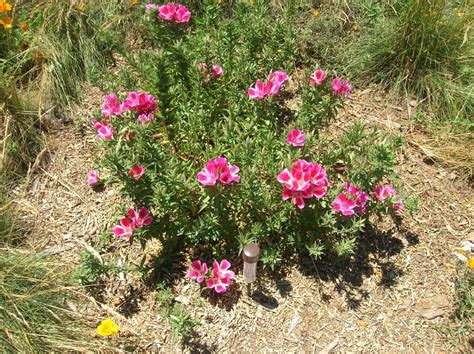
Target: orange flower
x=25, y=27
x=5, y=6
x=6, y=22
x=81, y=6
x=133, y=2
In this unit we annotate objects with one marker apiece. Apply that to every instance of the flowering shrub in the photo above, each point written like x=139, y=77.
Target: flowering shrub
x=170, y=161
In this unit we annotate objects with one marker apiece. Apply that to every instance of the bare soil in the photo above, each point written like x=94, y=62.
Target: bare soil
x=395, y=294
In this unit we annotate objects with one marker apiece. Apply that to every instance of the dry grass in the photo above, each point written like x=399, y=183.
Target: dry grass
x=453, y=149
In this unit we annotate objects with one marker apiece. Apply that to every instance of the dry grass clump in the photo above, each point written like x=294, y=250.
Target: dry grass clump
x=453, y=149
x=34, y=316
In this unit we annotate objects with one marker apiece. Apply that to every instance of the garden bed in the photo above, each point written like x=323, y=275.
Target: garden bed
x=373, y=301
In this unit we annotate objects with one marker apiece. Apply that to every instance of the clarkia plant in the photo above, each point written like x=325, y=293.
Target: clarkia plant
x=204, y=142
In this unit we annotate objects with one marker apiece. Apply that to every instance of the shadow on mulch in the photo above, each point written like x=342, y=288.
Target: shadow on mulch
x=226, y=300
x=372, y=252
x=374, y=247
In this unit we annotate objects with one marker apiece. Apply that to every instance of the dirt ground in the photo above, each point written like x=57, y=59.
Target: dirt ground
x=395, y=294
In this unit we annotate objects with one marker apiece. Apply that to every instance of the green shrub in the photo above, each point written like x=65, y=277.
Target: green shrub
x=201, y=118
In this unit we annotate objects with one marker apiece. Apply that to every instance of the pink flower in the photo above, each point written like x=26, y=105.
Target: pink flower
x=104, y=130
x=216, y=70
x=209, y=175
x=360, y=197
x=198, y=271
x=218, y=170
x=142, y=102
x=202, y=66
x=318, y=77
x=167, y=11
x=125, y=229
x=260, y=91
x=112, y=106
x=150, y=7
x=92, y=178
x=145, y=118
x=221, y=276
x=384, y=191
x=140, y=218
x=296, y=138
x=136, y=172
x=230, y=175
x=344, y=205
x=182, y=14
x=305, y=180
x=342, y=89
x=277, y=79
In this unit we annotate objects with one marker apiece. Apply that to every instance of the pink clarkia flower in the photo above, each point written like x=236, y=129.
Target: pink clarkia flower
x=140, y=218
x=221, y=276
x=216, y=70
x=260, y=91
x=202, y=66
x=318, y=77
x=142, y=102
x=305, y=180
x=198, y=271
x=218, y=170
x=230, y=175
x=296, y=138
x=182, y=14
x=145, y=118
x=150, y=7
x=124, y=229
x=136, y=172
x=167, y=11
x=387, y=192
x=112, y=106
x=384, y=191
x=359, y=196
x=277, y=79
x=104, y=131
x=340, y=88
x=92, y=178
x=209, y=175
x=344, y=205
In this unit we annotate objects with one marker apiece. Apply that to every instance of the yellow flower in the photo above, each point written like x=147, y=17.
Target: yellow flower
x=5, y=6
x=25, y=27
x=133, y=2
x=470, y=263
x=315, y=13
x=81, y=6
x=107, y=328
x=218, y=2
x=356, y=27
x=6, y=22
x=458, y=13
